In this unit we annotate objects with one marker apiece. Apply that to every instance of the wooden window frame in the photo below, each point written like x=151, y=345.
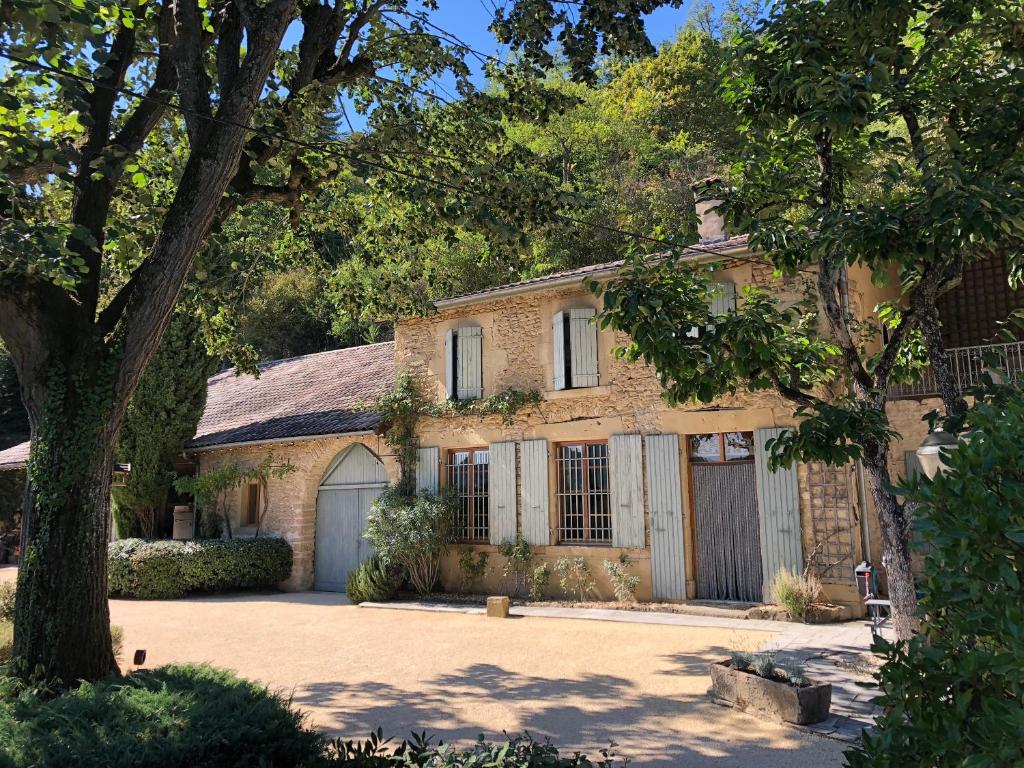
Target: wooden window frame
x=471, y=510
x=588, y=540
x=250, y=516
x=721, y=447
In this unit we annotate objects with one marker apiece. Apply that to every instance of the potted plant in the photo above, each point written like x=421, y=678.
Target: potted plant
x=756, y=682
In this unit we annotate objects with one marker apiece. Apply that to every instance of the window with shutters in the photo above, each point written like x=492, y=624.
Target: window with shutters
x=721, y=301
x=464, y=363
x=584, y=508
x=467, y=480
x=574, y=337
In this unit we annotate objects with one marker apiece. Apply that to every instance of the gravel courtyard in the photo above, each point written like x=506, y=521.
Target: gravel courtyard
x=583, y=683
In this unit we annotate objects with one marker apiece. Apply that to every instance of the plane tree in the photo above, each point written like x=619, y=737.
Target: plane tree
x=99, y=231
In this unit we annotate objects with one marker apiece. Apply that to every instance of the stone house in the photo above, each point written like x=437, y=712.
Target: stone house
x=600, y=466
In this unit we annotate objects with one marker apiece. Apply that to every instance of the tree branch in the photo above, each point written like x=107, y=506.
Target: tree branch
x=193, y=82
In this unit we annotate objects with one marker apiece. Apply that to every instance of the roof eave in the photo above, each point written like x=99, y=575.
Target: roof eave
x=556, y=282
x=275, y=441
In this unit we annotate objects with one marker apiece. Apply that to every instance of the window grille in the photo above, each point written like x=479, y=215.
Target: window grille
x=467, y=479
x=584, y=508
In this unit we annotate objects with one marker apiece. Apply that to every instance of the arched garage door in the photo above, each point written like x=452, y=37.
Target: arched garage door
x=354, y=479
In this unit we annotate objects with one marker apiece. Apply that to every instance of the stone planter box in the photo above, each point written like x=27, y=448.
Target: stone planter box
x=781, y=701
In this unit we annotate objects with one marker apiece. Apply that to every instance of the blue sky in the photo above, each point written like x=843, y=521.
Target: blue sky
x=468, y=20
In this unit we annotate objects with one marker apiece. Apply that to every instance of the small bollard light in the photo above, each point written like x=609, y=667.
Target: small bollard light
x=140, y=657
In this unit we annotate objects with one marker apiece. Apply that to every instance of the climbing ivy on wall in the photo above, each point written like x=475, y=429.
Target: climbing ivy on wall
x=404, y=405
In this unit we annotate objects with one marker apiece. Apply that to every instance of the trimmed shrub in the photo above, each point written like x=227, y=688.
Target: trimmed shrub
x=371, y=581
x=171, y=717
x=170, y=569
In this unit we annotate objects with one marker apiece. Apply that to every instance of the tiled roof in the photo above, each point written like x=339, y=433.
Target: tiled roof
x=591, y=270
x=321, y=394
x=14, y=457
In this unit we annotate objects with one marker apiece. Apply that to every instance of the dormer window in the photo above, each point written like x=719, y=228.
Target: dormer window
x=463, y=351
x=574, y=337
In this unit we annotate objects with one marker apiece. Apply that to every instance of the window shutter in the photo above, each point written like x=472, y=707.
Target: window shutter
x=664, y=493
x=721, y=301
x=583, y=347
x=449, y=363
x=501, y=492
x=469, y=358
x=536, y=520
x=558, y=345
x=625, y=457
x=428, y=461
x=778, y=501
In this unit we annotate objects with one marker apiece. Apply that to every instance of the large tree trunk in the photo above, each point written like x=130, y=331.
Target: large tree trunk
x=894, y=521
x=62, y=621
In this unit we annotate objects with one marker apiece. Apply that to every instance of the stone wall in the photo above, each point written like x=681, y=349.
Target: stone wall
x=291, y=512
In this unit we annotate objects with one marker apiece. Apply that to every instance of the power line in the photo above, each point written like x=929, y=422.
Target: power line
x=325, y=149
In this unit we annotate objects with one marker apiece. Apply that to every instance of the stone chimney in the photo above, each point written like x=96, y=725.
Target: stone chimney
x=712, y=226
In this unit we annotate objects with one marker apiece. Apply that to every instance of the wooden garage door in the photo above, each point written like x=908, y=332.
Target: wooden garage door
x=350, y=486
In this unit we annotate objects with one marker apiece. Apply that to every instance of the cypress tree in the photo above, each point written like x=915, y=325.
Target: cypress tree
x=161, y=417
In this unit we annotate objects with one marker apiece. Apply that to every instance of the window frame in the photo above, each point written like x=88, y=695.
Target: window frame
x=471, y=510
x=722, y=459
x=251, y=499
x=588, y=540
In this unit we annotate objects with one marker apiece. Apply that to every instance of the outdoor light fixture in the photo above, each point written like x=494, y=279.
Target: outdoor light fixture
x=929, y=454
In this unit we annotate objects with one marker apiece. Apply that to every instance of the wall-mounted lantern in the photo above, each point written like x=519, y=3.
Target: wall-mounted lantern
x=930, y=452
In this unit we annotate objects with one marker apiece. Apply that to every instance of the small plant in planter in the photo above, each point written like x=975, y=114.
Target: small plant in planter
x=755, y=681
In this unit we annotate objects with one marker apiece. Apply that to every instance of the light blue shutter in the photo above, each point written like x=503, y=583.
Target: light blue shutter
x=723, y=299
x=449, y=363
x=501, y=492
x=778, y=501
x=534, y=465
x=664, y=493
x=428, y=461
x=625, y=459
x=583, y=347
x=470, y=361
x=558, y=345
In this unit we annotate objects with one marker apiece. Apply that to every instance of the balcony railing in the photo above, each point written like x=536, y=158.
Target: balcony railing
x=968, y=364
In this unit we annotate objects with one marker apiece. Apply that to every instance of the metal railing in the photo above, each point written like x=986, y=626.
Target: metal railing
x=968, y=364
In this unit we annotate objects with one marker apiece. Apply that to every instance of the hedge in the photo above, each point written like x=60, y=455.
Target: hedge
x=170, y=717
x=169, y=569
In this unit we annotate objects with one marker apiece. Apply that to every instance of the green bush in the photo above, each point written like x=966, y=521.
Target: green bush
x=171, y=717
x=372, y=581
x=413, y=533
x=954, y=695
x=517, y=752
x=7, y=593
x=624, y=583
x=169, y=569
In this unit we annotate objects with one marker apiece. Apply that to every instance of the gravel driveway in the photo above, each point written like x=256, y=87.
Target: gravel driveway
x=583, y=683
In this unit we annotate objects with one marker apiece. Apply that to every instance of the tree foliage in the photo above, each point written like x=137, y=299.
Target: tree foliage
x=954, y=696
x=160, y=419
x=863, y=145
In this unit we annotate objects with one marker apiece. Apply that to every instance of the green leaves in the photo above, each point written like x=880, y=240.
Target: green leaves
x=954, y=696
